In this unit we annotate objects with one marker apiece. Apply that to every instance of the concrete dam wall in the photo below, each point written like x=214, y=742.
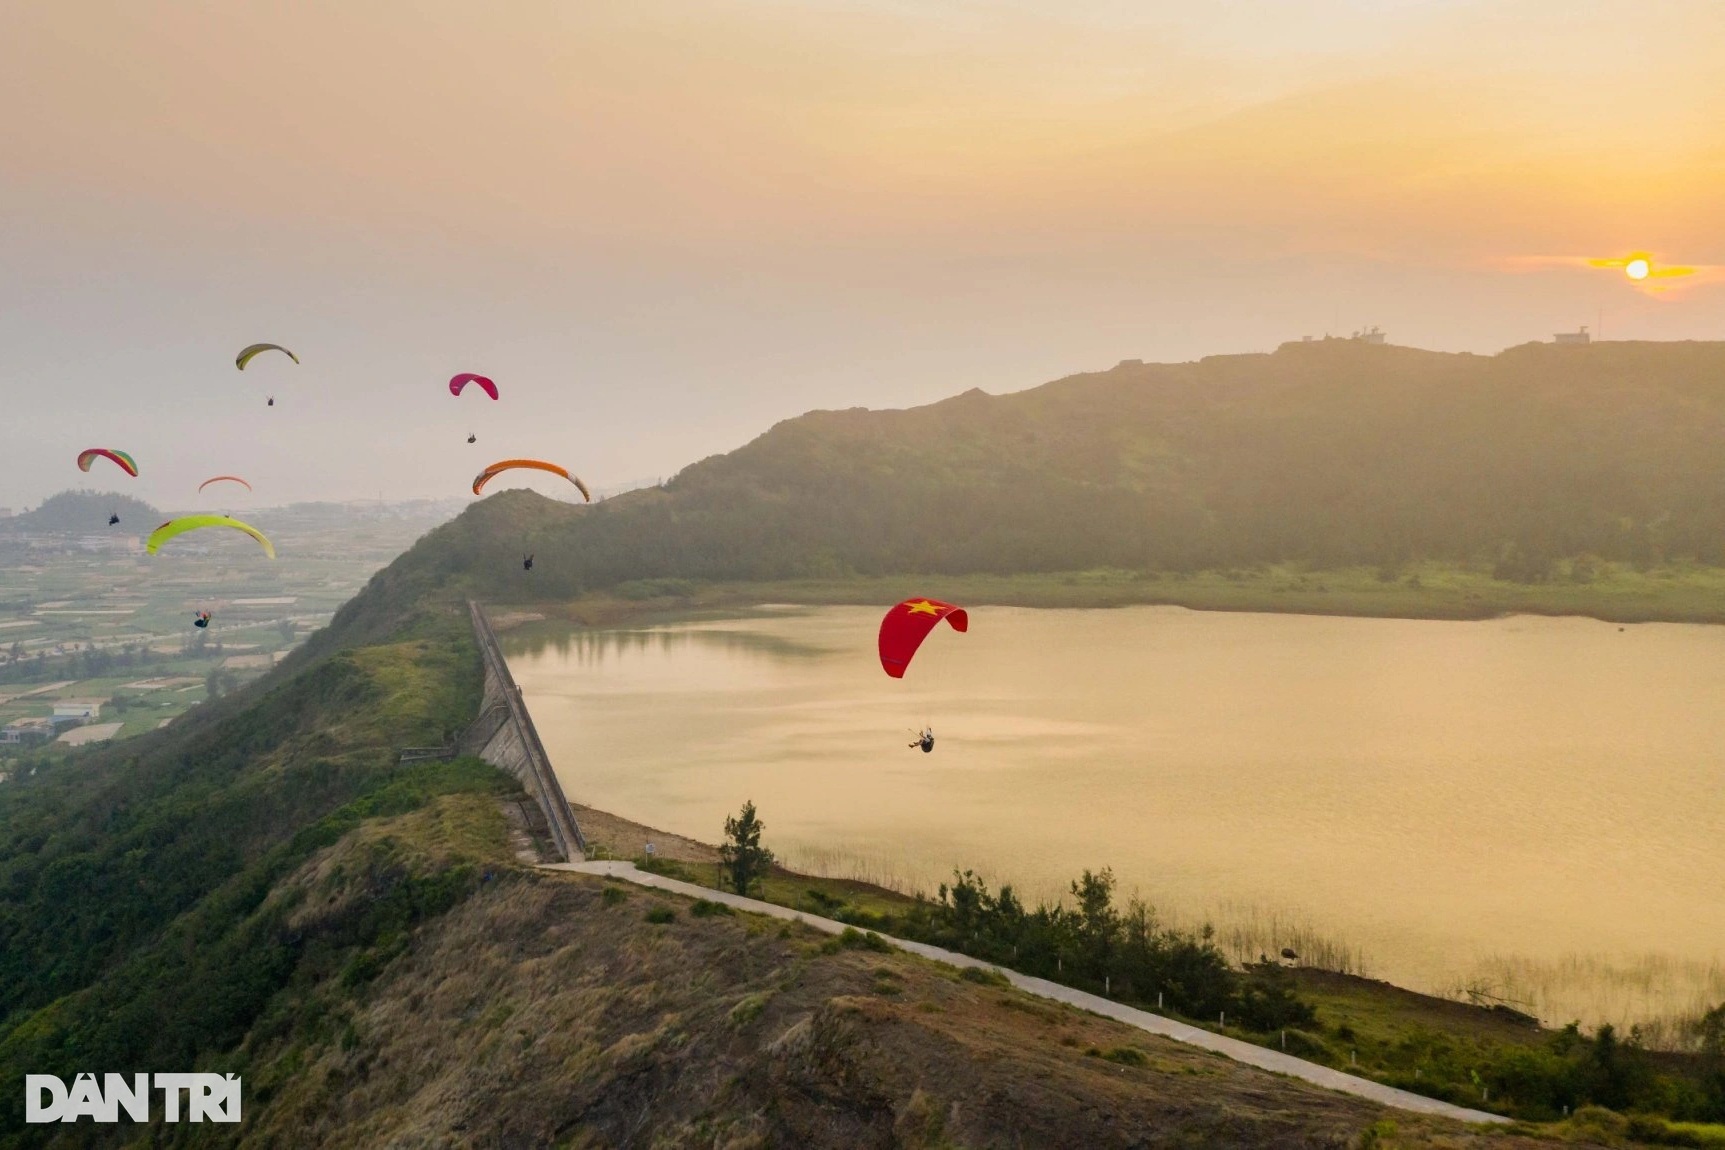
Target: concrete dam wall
x=503, y=736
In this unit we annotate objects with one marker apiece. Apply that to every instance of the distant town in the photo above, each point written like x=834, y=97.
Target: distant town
x=97, y=639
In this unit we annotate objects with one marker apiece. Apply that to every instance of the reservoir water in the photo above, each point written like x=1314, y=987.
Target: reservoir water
x=1528, y=807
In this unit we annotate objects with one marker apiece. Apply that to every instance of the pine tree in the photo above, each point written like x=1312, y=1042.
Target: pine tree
x=742, y=854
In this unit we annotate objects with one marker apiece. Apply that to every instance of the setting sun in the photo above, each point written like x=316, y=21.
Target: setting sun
x=1637, y=269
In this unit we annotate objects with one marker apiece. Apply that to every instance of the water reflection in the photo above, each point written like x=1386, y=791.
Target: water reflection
x=592, y=648
x=1460, y=804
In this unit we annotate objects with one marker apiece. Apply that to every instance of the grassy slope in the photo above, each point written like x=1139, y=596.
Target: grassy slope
x=133, y=873
x=546, y=1011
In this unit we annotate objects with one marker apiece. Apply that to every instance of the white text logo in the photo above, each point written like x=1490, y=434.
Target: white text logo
x=199, y=1097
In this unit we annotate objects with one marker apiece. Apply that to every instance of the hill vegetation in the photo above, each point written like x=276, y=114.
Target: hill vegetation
x=1322, y=455
x=86, y=513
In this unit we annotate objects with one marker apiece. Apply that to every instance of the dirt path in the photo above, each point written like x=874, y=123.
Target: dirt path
x=1271, y=1060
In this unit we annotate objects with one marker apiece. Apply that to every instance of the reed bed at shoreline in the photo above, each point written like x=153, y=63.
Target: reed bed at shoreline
x=1657, y=998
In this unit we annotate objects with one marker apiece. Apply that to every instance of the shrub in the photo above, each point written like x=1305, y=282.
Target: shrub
x=707, y=908
x=661, y=915
x=868, y=940
x=748, y=1009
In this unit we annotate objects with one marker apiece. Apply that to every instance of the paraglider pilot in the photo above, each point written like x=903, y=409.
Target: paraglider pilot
x=272, y=401
x=112, y=519
x=203, y=619
x=925, y=740
x=527, y=563
x=472, y=438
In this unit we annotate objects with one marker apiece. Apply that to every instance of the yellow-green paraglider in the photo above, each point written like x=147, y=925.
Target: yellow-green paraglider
x=176, y=527
x=257, y=349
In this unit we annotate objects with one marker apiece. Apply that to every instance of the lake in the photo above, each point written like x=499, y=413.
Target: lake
x=1530, y=807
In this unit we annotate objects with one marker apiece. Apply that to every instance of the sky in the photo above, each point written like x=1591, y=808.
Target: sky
x=663, y=226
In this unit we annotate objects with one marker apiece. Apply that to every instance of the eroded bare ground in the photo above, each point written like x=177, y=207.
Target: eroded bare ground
x=547, y=1010
x=620, y=838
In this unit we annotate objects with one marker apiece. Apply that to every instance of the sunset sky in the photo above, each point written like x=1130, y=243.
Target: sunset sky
x=662, y=227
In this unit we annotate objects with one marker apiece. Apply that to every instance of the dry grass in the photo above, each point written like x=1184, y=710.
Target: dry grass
x=535, y=1014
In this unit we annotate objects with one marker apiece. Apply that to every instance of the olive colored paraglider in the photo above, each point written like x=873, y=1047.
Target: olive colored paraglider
x=254, y=350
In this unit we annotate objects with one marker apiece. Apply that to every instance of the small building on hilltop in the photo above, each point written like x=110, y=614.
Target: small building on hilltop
x=1574, y=337
x=1370, y=335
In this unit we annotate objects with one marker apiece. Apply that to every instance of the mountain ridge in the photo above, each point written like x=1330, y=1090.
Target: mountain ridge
x=1326, y=454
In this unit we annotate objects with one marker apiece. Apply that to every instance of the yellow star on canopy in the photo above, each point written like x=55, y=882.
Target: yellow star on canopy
x=922, y=607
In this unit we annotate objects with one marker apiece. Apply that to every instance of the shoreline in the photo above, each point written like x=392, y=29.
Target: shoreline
x=1616, y=594
x=610, y=838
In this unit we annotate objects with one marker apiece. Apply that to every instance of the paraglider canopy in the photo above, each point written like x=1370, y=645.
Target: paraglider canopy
x=229, y=478
x=502, y=465
x=119, y=458
x=457, y=383
x=257, y=349
x=185, y=523
x=904, y=628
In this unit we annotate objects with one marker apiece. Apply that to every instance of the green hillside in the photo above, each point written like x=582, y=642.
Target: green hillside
x=86, y=513
x=1328, y=454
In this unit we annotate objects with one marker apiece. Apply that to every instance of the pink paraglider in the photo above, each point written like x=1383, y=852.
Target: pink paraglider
x=467, y=377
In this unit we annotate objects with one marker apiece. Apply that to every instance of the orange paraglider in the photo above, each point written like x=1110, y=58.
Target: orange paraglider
x=502, y=465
